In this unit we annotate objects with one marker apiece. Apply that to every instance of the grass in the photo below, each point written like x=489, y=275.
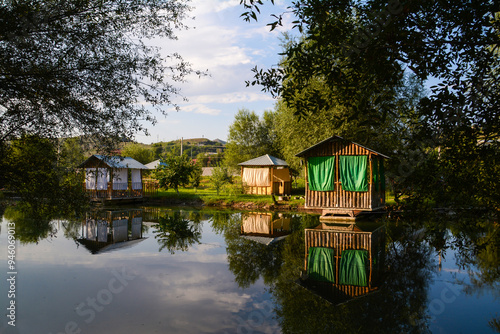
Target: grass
x=229, y=195
x=233, y=193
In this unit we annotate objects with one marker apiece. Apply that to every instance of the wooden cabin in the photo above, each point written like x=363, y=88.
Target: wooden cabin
x=343, y=178
x=343, y=261
x=266, y=175
x=115, y=178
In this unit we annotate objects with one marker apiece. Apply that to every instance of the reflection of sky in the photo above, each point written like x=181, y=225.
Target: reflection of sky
x=451, y=309
x=188, y=292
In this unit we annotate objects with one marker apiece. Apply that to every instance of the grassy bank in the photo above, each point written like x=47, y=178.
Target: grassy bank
x=231, y=195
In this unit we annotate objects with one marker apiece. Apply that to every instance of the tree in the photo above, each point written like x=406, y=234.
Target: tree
x=138, y=152
x=157, y=150
x=361, y=50
x=250, y=137
x=71, y=153
x=196, y=174
x=220, y=177
x=44, y=187
x=174, y=171
x=83, y=67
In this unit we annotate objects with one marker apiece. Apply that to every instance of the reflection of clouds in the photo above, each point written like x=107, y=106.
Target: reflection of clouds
x=206, y=292
x=189, y=292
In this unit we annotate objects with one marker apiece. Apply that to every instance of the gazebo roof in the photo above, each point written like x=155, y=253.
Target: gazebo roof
x=115, y=162
x=265, y=160
x=338, y=138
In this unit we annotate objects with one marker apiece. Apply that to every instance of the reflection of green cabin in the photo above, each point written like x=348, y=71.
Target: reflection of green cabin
x=343, y=177
x=109, y=230
x=112, y=178
x=266, y=175
x=265, y=228
x=343, y=261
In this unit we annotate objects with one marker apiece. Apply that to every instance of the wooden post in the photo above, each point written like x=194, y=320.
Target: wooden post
x=241, y=175
x=370, y=186
x=272, y=180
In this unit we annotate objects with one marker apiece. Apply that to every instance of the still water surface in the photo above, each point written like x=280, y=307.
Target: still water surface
x=164, y=270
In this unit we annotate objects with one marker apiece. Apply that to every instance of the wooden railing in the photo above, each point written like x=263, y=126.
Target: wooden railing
x=125, y=190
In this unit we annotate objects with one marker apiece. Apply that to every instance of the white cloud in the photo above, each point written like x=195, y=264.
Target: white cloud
x=221, y=42
x=236, y=97
x=200, y=109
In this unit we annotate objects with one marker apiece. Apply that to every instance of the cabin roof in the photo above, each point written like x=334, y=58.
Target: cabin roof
x=265, y=160
x=155, y=164
x=338, y=138
x=115, y=162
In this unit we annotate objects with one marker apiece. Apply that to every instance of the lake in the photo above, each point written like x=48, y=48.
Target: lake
x=170, y=270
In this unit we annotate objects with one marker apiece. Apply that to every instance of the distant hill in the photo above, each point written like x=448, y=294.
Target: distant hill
x=220, y=141
x=191, y=141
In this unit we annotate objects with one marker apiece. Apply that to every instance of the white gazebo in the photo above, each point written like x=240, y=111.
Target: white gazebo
x=113, y=177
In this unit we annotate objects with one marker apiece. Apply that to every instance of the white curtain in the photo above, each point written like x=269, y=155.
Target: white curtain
x=120, y=179
x=90, y=178
x=136, y=227
x=120, y=230
x=91, y=229
x=102, y=179
x=136, y=179
x=256, y=177
x=102, y=231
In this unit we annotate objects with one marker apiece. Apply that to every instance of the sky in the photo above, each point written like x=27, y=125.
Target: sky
x=221, y=42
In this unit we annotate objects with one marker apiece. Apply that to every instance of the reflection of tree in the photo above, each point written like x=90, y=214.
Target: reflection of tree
x=495, y=324
x=475, y=241
x=248, y=260
x=176, y=233
x=73, y=229
x=399, y=306
x=30, y=228
x=477, y=246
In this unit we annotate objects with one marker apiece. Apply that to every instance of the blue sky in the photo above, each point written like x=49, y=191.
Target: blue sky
x=228, y=47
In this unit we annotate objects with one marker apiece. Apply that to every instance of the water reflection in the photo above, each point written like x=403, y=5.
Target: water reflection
x=224, y=273
x=175, y=232
x=265, y=227
x=399, y=305
x=253, y=243
x=111, y=230
x=343, y=261
x=30, y=228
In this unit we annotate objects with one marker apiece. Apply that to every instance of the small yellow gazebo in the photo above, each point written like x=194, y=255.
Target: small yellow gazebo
x=266, y=175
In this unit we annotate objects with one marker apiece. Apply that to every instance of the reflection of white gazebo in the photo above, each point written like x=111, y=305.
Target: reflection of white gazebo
x=260, y=227
x=112, y=177
x=114, y=230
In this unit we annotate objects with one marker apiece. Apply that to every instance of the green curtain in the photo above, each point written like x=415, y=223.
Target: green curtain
x=321, y=173
x=321, y=264
x=353, y=268
x=375, y=173
x=352, y=169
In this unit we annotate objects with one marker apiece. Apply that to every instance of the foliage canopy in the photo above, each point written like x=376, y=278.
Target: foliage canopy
x=353, y=56
x=84, y=67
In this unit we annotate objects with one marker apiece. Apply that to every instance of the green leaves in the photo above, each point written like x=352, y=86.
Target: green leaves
x=80, y=66
x=175, y=171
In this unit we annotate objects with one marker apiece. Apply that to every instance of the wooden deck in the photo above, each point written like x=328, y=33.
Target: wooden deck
x=148, y=189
